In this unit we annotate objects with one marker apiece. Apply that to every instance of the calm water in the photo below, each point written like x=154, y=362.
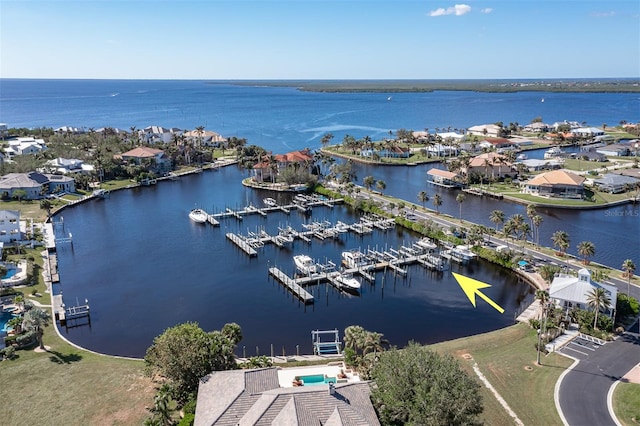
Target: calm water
x=145, y=266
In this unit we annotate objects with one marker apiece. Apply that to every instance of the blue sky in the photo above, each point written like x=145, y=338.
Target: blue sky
x=305, y=39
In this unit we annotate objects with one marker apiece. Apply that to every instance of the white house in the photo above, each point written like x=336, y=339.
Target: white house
x=24, y=146
x=614, y=150
x=66, y=166
x=567, y=291
x=485, y=130
x=158, y=134
x=10, y=226
x=587, y=132
x=205, y=138
x=536, y=127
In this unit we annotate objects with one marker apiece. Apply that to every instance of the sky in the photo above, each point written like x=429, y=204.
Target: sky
x=328, y=39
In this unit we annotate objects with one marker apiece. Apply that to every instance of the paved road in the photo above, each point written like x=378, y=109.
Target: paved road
x=583, y=390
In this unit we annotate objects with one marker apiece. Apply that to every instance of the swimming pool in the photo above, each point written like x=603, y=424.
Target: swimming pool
x=10, y=273
x=317, y=379
x=4, y=318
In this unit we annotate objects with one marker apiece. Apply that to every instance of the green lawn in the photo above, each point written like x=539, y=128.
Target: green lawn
x=68, y=386
x=626, y=403
x=507, y=358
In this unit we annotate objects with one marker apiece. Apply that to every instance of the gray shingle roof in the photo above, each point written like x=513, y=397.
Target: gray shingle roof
x=253, y=397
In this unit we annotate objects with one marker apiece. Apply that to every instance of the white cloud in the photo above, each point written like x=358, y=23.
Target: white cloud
x=487, y=10
x=458, y=10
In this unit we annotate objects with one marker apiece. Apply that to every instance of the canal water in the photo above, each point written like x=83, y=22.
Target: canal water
x=144, y=266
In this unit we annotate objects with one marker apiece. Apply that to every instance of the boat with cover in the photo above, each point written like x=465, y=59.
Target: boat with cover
x=198, y=215
x=426, y=244
x=354, y=259
x=305, y=264
x=347, y=280
x=270, y=202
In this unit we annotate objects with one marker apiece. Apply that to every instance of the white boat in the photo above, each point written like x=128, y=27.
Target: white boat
x=270, y=202
x=341, y=227
x=347, y=280
x=464, y=253
x=553, y=152
x=198, y=215
x=521, y=157
x=354, y=259
x=305, y=264
x=542, y=100
x=427, y=244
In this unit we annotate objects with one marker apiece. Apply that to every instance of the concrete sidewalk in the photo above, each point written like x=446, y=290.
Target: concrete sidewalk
x=568, y=335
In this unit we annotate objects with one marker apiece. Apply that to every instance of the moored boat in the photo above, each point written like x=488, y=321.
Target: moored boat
x=270, y=202
x=305, y=264
x=347, y=280
x=354, y=259
x=198, y=215
x=553, y=152
x=426, y=244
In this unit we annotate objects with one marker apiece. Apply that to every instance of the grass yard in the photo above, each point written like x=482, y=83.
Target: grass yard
x=68, y=386
x=626, y=403
x=507, y=358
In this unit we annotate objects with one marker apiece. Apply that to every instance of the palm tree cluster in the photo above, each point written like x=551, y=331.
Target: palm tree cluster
x=359, y=343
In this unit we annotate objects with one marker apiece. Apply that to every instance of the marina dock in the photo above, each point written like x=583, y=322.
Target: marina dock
x=242, y=244
x=292, y=285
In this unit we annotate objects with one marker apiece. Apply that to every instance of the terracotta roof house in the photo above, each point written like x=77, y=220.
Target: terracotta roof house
x=155, y=159
x=254, y=397
x=568, y=291
x=490, y=164
x=263, y=171
x=557, y=183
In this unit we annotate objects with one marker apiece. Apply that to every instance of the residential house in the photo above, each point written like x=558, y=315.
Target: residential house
x=490, y=130
x=205, y=138
x=490, y=164
x=4, y=131
x=557, y=183
x=69, y=130
x=154, y=159
x=497, y=144
x=535, y=165
x=66, y=166
x=537, y=127
x=442, y=150
x=267, y=171
x=10, y=226
x=158, y=134
x=24, y=146
x=614, y=150
x=35, y=184
x=445, y=178
x=254, y=397
x=615, y=183
x=389, y=152
x=567, y=291
x=587, y=132
x=570, y=124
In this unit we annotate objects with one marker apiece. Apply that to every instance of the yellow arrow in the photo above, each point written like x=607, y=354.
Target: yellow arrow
x=472, y=287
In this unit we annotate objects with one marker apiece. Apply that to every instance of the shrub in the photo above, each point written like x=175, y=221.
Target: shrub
x=9, y=352
x=26, y=339
x=187, y=420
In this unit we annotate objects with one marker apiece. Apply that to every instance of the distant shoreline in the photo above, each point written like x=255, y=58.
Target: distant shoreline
x=605, y=85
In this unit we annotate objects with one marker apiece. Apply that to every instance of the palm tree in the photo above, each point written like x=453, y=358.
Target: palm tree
x=326, y=139
x=460, y=199
x=531, y=212
x=586, y=249
x=37, y=319
x=423, y=197
x=543, y=297
x=437, y=202
x=368, y=182
x=381, y=185
x=497, y=217
x=354, y=337
x=373, y=342
x=561, y=240
x=629, y=268
x=537, y=220
x=598, y=299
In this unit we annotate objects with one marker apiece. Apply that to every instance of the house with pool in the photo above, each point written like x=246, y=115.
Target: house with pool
x=272, y=396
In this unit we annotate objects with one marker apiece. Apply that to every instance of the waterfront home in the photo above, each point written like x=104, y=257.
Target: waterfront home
x=614, y=150
x=205, y=138
x=536, y=127
x=568, y=291
x=565, y=124
x=535, y=165
x=66, y=166
x=390, y=152
x=154, y=159
x=249, y=397
x=268, y=168
x=490, y=130
x=557, y=183
x=442, y=149
x=445, y=178
x=24, y=146
x=158, y=134
x=587, y=132
x=490, y=164
x=496, y=144
x=35, y=185
x=10, y=226
x=69, y=130
x=615, y=183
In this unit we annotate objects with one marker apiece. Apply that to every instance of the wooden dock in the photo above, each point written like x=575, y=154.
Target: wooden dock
x=242, y=244
x=291, y=284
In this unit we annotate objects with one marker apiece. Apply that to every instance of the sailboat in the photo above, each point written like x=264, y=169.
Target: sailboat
x=542, y=100
x=389, y=98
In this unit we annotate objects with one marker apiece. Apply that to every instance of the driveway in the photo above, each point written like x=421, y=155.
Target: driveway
x=582, y=395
